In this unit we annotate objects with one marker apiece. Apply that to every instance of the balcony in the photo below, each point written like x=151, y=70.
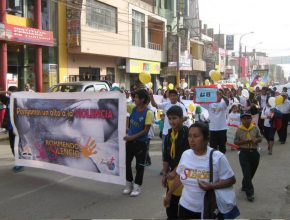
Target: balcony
x=154, y=46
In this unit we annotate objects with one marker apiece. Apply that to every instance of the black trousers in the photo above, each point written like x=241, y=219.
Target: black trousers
x=249, y=161
x=184, y=213
x=218, y=140
x=282, y=132
x=261, y=124
x=172, y=210
x=11, y=140
x=137, y=149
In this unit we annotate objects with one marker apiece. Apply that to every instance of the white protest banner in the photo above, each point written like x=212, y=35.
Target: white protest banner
x=231, y=133
x=79, y=134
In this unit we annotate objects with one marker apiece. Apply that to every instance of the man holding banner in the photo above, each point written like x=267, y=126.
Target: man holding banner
x=213, y=100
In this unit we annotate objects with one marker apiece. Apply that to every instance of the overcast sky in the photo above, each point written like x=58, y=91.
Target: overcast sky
x=270, y=21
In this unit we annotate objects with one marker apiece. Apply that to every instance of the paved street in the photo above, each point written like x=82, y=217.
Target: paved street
x=41, y=194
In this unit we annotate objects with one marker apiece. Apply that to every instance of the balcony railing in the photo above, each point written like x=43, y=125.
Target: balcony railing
x=154, y=46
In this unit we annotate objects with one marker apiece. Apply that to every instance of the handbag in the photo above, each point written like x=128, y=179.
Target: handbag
x=224, y=198
x=210, y=209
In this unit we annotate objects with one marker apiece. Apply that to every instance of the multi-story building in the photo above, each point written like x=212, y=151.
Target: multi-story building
x=114, y=40
x=29, y=39
x=184, y=58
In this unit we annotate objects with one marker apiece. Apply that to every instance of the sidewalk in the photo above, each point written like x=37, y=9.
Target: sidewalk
x=3, y=135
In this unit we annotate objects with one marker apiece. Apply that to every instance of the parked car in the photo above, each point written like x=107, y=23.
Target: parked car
x=81, y=86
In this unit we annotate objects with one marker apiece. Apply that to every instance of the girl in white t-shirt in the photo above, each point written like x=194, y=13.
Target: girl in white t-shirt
x=234, y=116
x=193, y=172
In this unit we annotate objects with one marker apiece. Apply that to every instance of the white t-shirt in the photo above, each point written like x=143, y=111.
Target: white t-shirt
x=218, y=116
x=192, y=168
x=265, y=112
x=234, y=119
x=263, y=101
x=165, y=106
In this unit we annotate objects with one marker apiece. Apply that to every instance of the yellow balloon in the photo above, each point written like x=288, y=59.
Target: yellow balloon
x=206, y=82
x=191, y=107
x=262, y=84
x=279, y=100
x=144, y=77
x=251, y=89
x=160, y=87
x=247, y=85
x=171, y=86
x=216, y=76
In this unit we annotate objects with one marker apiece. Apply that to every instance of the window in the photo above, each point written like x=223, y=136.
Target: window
x=168, y=4
x=110, y=74
x=14, y=7
x=101, y=16
x=138, y=29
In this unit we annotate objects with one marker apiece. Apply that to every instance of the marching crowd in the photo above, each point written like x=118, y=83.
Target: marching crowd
x=187, y=149
x=191, y=145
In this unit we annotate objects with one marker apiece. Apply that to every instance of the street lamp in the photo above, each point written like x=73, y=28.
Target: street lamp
x=240, y=53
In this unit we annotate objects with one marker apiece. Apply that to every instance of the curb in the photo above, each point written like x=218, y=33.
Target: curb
x=4, y=137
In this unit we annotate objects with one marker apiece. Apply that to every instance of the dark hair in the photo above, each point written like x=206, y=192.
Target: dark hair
x=203, y=128
x=176, y=111
x=173, y=91
x=12, y=89
x=143, y=94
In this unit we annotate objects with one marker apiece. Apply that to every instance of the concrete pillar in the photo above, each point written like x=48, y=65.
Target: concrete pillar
x=38, y=49
x=3, y=50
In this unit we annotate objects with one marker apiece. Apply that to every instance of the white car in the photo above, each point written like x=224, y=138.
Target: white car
x=81, y=86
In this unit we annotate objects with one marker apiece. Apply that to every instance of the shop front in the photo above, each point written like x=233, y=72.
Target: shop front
x=28, y=49
x=134, y=67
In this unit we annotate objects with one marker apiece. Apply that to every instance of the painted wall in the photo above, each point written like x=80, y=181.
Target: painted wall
x=83, y=60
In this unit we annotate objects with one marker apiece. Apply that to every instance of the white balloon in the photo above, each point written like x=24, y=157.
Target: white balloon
x=272, y=102
x=245, y=93
x=184, y=85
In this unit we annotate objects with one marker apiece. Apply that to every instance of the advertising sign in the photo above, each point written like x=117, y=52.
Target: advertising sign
x=185, y=61
x=230, y=42
x=26, y=35
x=138, y=66
x=79, y=134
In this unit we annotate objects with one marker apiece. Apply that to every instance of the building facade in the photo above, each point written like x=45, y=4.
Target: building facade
x=114, y=40
x=28, y=42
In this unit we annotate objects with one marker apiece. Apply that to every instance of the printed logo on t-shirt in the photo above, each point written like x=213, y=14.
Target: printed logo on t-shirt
x=216, y=110
x=194, y=174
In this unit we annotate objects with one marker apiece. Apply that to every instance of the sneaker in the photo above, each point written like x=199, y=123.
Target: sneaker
x=128, y=189
x=18, y=169
x=250, y=198
x=136, y=190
